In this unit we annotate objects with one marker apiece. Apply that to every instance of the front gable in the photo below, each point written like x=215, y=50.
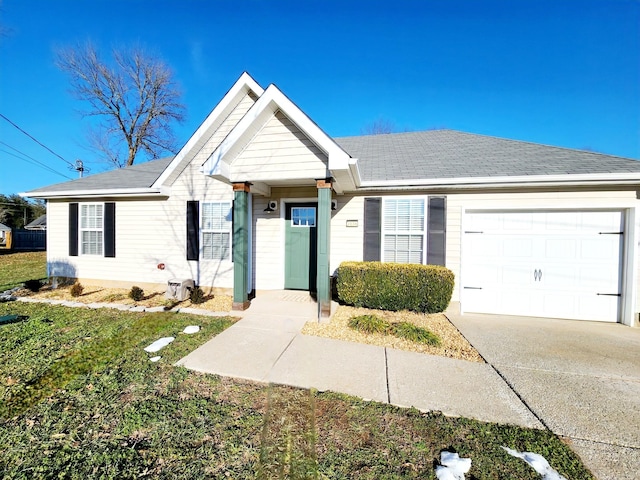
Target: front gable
x=233, y=106
x=280, y=152
x=275, y=143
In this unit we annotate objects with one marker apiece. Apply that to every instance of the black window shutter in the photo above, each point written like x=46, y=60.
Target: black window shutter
x=193, y=234
x=371, y=246
x=110, y=229
x=436, y=231
x=73, y=229
x=233, y=223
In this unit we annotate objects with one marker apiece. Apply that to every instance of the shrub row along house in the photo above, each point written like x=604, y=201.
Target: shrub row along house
x=260, y=197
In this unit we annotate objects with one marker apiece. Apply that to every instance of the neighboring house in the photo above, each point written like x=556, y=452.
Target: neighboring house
x=5, y=237
x=260, y=198
x=39, y=223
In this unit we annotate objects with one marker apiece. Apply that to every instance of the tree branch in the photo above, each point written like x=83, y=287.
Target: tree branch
x=135, y=101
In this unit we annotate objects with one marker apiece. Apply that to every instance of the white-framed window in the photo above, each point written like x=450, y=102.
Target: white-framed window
x=403, y=225
x=91, y=228
x=216, y=230
x=303, y=216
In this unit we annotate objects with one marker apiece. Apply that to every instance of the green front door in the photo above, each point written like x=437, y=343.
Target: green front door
x=300, y=246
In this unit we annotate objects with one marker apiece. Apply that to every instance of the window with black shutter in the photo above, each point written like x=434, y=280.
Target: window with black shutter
x=371, y=245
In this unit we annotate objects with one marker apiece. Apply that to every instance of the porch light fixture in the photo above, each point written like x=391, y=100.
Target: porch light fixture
x=271, y=206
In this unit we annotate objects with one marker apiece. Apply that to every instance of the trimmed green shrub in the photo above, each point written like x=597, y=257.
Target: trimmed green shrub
x=33, y=285
x=76, y=289
x=136, y=294
x=197, y=296
x=395, y=286
x=369, y=324
x=414, y=333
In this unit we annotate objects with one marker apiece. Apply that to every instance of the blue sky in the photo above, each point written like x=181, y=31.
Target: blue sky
x=557, y=72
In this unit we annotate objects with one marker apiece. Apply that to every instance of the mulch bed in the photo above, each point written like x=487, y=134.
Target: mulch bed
x=453, y=344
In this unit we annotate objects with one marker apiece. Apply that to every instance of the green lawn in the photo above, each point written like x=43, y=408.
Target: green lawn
x=17, y=268
x=80, y=399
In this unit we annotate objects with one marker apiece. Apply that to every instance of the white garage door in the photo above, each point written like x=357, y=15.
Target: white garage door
x=546, y=264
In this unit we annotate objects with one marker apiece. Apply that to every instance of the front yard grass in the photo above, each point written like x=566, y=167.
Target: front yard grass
x=80, y=399
x=17, y=268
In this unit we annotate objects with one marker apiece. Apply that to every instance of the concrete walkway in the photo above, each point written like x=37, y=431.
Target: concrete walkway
x=266, y=346
x=581, y=378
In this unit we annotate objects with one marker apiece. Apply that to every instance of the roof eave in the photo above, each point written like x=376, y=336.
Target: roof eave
x=615, y=179
x=242, y=86
x=120, y=192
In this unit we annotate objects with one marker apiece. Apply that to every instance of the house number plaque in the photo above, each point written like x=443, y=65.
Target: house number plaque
x=352, y=223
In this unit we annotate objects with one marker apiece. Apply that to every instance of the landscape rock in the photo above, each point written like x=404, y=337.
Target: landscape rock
x=159, y=344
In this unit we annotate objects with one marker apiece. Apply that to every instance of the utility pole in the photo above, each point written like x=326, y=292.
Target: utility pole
x=79, y=167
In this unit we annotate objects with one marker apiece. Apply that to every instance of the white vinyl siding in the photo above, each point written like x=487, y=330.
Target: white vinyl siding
x=403, y=222
x=91, y=229
x=216, y=231
x=280, y=151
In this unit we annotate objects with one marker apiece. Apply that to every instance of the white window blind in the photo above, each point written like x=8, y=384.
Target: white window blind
x=216, y=231
x=403, y=223
x=91, y=228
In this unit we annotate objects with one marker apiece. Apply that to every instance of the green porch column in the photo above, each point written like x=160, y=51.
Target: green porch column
x=323, y=229
x=241, y=220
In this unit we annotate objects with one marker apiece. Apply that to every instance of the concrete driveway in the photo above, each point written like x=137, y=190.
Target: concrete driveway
x=581, y=379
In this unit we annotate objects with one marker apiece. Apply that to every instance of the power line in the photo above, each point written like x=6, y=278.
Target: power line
x=31, y=160
x=37, y=141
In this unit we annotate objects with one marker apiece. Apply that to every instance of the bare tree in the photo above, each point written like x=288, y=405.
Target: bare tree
x=379, y=126
x=135, y=98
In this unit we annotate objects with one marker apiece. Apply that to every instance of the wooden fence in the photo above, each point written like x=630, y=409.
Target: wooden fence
x=29, y=240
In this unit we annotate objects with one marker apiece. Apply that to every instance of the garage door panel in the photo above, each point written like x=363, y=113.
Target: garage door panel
x=605, y=248
x=483, y=299
x=514, y=247
x=559, y=276
x=521, y=223
x=484, y=222
x=561, y=221
x=479, y=274
x=597, y=222
x=598, y=306
x=599, y=279
x=558, y=305
x=563, y=248
x=520, y=275
x=517, y=301
x=550, y=264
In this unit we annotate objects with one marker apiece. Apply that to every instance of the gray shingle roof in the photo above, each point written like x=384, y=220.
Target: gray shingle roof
x=142, y=175
x=432, y=154
x=435, y=154
x=40, y=222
